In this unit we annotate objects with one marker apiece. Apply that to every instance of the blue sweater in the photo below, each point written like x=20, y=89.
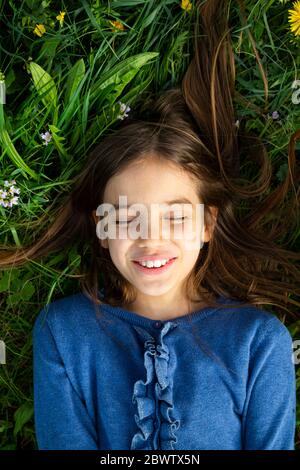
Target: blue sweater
x=214, y=379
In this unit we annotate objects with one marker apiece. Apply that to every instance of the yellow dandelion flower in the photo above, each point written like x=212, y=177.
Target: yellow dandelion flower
x=186, y=5
x=39, y=30
x=61, y=17
x=117, y=25
x=294, y=18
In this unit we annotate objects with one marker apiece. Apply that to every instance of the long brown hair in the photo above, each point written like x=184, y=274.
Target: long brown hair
x=194, y=127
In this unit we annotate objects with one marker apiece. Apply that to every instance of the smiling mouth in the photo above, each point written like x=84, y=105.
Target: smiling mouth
x=154, y=270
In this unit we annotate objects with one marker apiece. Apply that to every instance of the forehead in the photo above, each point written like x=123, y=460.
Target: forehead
x=152, y=181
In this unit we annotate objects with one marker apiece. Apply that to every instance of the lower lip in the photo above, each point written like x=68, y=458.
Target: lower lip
x=154, y=271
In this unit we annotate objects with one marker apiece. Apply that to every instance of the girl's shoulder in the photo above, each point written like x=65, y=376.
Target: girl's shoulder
x=254, y=321
x=67, y=311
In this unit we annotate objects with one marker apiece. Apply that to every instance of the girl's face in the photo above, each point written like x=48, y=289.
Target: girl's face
x=154, y=183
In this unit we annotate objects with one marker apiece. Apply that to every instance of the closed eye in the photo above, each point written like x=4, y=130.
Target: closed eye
x=168, y=218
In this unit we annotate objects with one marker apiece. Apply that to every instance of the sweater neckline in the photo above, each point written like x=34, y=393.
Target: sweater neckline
x=185, y=319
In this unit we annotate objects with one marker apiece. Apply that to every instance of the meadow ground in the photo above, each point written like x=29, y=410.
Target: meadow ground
x=69, y=72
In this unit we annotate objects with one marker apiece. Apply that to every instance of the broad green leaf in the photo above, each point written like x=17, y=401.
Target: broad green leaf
x=49, y=47
x=44, y=85
x=120, y=75
x=27, y=291
x=100, y=121
x=5, y=281
x=75, y=76
x=9, y=148
x=23, y=414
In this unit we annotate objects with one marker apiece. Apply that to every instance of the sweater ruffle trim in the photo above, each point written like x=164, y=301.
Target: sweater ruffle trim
x=154, y=397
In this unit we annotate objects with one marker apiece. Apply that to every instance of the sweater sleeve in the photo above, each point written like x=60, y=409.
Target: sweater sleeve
x=269, y=414
x=61, y=418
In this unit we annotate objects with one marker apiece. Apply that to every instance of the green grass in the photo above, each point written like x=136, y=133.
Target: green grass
x=70, y=81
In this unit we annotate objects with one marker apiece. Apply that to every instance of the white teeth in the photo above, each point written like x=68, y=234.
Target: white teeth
x=156, y=264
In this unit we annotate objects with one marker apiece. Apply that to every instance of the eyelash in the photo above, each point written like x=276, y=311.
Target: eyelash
x=128, y=221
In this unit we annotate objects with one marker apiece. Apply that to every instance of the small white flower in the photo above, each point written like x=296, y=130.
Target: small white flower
x=14, y=200
x=14, y=190
x=7, y=198
x=124, y=109
x=3, y=203
x=46, y=137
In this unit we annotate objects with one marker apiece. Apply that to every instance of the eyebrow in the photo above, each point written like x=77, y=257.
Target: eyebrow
x=182, y=200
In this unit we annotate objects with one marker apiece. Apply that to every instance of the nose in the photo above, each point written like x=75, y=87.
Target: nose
x=154, y=228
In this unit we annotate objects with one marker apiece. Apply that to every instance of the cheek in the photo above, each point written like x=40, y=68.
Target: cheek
x=118, y=250
x=190, y=234
x=191, y=242
x=190, y=257
x=192, y=247
x=196, y=230
x=189, y=252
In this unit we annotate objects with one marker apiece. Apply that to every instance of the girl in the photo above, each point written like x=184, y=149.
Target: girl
x=179, y=356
